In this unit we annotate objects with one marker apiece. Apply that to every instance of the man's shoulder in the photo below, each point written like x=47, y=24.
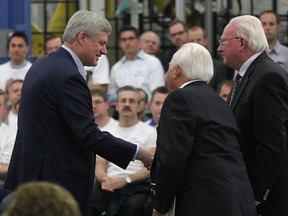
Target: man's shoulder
x=279, y=49
x=6, y=131
x=152, y=59
x=283, y=46
x=5, y=65
x=118, y=63
x=145, y=128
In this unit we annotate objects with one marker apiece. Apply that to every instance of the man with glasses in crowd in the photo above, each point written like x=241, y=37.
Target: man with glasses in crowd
x=178, y=36
x=271, y=25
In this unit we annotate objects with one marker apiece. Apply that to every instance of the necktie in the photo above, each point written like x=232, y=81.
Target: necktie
x=235, y=86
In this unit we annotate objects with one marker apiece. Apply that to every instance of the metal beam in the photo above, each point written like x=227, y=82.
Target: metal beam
x=180, y=10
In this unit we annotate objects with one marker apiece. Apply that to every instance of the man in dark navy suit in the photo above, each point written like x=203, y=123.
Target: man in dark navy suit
x=57, y=137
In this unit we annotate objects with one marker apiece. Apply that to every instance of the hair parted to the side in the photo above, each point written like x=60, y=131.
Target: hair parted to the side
x=87, y=21
x=250, y=28
x=195, y=61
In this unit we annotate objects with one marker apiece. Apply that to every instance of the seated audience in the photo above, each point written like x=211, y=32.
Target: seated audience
x=52, y=44
x=98, y=76
x=100, y=109
x=143, y=112
x=18, y=65
x=118, y=191
x=158, y=97
x=7, y=139
x=150, y=42
x=14, y=95
x=224, y=89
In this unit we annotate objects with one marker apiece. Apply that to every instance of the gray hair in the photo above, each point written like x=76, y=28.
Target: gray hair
x=250, y=28
x=142, y=36
x=195, y=61
x=129, y=88
x=87, y=21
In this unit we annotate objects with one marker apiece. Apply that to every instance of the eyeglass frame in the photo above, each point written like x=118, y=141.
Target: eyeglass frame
x=221, y=41
x=173, y=35
x=123, y=40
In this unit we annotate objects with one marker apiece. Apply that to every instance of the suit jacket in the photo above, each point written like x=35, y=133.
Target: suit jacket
x=260, y=106
x=198, y=159
x=57, y=136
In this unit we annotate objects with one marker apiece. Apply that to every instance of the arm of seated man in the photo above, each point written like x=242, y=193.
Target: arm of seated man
x=116, y=182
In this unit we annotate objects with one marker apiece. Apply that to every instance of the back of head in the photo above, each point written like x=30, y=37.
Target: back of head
x=87, y=21
x=250, y=28
x=195, y=60
x=42, y=198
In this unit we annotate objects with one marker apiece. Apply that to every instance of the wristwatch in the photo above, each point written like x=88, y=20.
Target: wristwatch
x=128, y=179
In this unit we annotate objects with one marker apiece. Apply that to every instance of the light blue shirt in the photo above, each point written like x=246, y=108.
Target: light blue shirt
x=77, y=61
x=279, y=54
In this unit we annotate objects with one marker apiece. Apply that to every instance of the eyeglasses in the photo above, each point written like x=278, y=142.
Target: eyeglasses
x=98, y=101
x=127, y=39
x=221, y=41
x=173, y=35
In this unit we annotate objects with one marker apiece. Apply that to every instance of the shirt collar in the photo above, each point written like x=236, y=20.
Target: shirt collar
x=188, y=82
x=140, y=55
x=247, y=63
x=276, y=48
x=77, y=61
x=22, y=65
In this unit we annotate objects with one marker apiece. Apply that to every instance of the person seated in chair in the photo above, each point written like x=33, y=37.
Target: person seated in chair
x=119, y=191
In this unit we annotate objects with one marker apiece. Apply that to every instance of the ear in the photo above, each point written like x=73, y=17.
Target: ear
x=242, y=44
x=81, y=37
x=177, y=71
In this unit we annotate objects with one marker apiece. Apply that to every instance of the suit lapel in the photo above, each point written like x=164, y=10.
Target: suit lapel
x=245, y=79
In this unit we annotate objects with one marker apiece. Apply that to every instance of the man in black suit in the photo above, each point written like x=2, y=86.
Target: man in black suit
x=198, y=162
x=57, y=137
x=260, y=106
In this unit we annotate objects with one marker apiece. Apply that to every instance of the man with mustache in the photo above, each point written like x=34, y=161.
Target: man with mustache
x=119, y=191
